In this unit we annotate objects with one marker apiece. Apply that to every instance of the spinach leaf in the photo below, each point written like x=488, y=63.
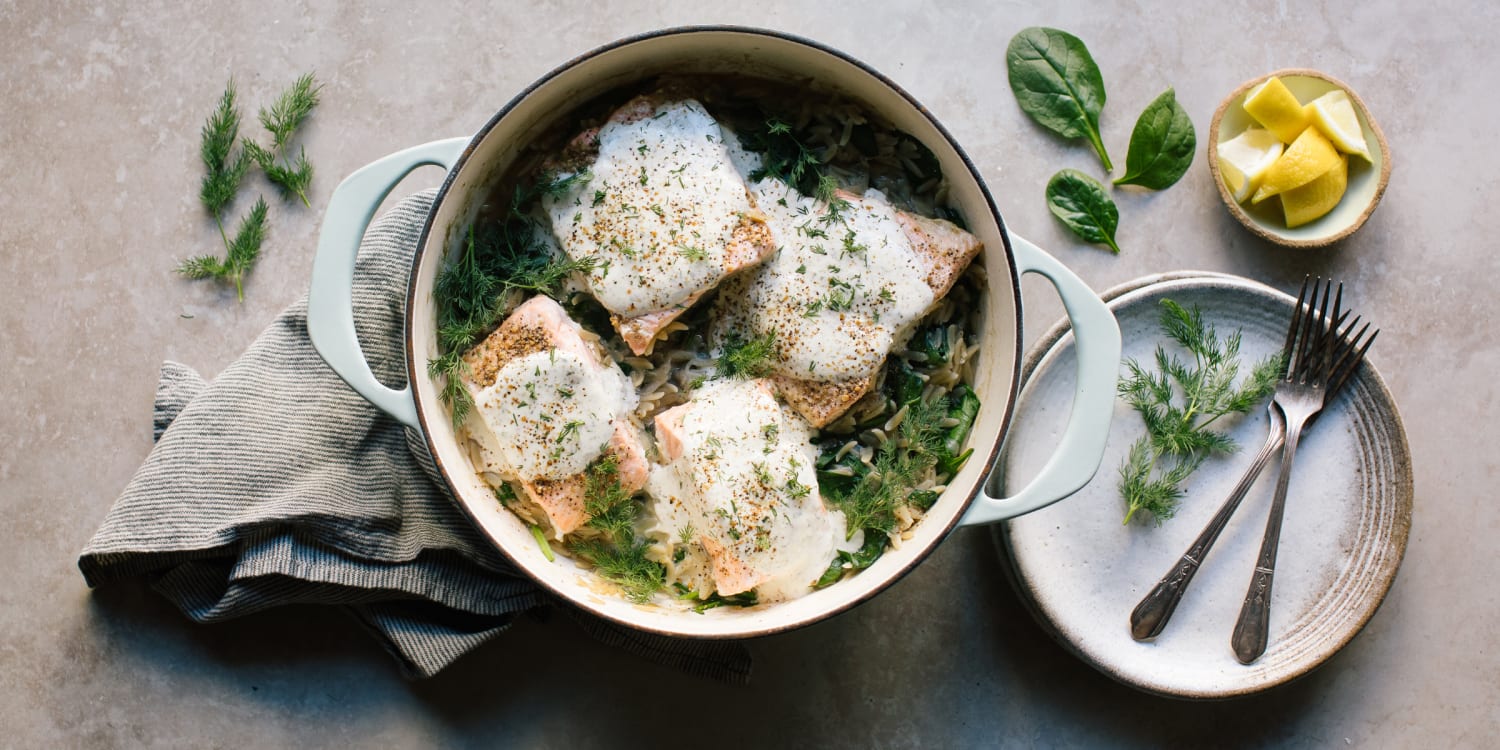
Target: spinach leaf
x=933, y=343
x=1057, y=83
x=1080, y=201
x=964, y=408
x=903, y=382
x=1161, y=146
x=860, y=559
x=922, y=499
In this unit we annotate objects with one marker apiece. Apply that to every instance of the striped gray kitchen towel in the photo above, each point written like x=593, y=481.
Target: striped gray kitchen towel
x=276, y=483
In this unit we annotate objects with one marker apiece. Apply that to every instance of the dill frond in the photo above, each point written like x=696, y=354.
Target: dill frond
x=608, y=505
x=452, y=367
x=201, y=267
x=1178, y=402
x=786, y=157
x=921, y=444
x=626, y=566
x=241, y=253
x=293, y=106
x=224, y=170
x=245, y=247
x=747, y=358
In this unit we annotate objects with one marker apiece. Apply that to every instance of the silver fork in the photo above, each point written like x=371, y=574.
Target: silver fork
x=1150, y=616
x=1324, y=356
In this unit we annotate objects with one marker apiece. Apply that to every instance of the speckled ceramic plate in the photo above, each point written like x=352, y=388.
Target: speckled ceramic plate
x=1347, y=516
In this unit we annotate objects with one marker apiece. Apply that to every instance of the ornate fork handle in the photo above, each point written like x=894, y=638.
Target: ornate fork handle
x=1152, y=614
x=1251, y=630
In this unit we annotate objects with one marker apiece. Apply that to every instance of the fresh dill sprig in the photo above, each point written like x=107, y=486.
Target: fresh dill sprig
x=627, y=566
x=451, y=366
x=786, y=157
x=609, y=507
x=240, y=256
x=293, y=180
x=281, y=120
x=920, y=444
x=293, y=106
x=747, y=358
x=224, y=169
x=1179, y=401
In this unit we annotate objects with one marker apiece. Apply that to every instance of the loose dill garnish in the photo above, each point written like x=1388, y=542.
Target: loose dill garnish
x=452, y=367
x=608, y=506
x=919, y=444
x=747, y=358
x=770, y=432
x=851, y=245
x=240, y=254
x=1178, y=437
x=762, y=474
x=292, y=180
x=281, y=120
x=626, y=566
x=786, y=157
x=796, y=489
x=293, y=106
x=869, y=495
x=617, y=555
x=224, y=170
x=840, y=296
x=569, y=430
x=692, y=253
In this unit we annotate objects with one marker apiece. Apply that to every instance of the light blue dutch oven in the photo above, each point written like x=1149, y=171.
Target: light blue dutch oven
x=473, y=166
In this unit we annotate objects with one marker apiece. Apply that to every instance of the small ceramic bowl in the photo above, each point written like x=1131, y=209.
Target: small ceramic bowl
x=1367, y=180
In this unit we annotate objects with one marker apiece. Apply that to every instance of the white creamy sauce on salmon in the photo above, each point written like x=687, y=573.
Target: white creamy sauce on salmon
x=843, y=289
x=549, y=414
x=662, y=203
x=745, y=482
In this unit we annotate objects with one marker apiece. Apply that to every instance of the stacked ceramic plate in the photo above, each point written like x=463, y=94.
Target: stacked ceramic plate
x=1348, y=513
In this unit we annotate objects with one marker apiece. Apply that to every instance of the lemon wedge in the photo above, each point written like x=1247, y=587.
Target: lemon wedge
x=1333, y=113
x=1244, y=159
x=1273, y=105
x=1307, y=159
x=1316, y=198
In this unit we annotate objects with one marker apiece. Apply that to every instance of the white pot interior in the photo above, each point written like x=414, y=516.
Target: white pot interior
x=711, y=51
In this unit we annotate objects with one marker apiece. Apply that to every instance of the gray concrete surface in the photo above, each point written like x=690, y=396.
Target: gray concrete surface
x=100, y=106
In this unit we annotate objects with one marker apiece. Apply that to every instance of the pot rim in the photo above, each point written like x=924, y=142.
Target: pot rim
x=413, y=370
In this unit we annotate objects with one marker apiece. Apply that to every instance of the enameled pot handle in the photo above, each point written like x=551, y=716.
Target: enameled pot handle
x=1097, y=342
x=330, y=300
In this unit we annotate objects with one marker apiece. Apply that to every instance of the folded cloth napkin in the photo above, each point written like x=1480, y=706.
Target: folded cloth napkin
x=277, y=484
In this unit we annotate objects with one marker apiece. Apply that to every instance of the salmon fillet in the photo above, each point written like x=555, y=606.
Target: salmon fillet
x=752, y=243
x=744, y=475
x=731, y=574
x=541, y=325
x=749, y=240
x=563, y=500
x=944, y=248
x=945, y=251
x=536, y=325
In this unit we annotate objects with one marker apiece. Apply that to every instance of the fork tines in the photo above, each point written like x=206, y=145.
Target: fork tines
x=1319, y=346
